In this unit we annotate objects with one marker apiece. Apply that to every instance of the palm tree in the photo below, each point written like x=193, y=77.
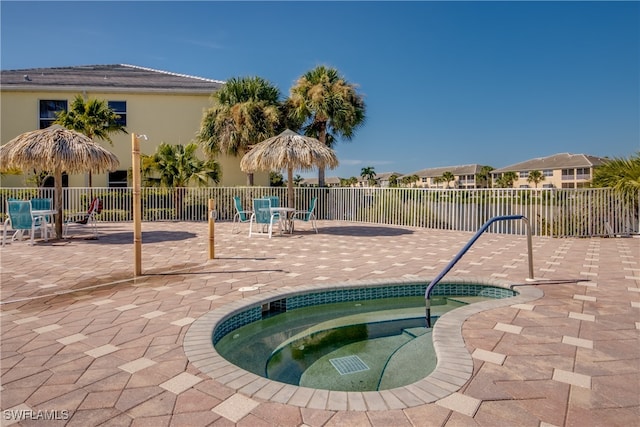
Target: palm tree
x=246, y=111
x=536, y=177
x=484, y=177
x=348, y=182
x=409, y=179
x=92, y=118
x=276, y=179
x=393, y=180
x=448, y=177
x=507, y=179
x=297, y=180
x=369, y=174
x=621, y=174
x=327, y=106
x=177, y=166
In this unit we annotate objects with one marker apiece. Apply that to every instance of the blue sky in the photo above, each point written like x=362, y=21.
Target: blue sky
x=445, y=83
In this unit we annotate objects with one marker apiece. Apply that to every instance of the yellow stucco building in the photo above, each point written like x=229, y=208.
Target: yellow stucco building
x=165, y=106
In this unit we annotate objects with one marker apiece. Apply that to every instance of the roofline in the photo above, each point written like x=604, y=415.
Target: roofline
x=173, y=74
x=102, y=89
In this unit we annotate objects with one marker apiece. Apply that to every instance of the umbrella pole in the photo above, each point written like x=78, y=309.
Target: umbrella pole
x=57, y=182
x=291, y=202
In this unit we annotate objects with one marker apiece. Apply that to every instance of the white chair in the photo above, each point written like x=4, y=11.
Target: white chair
x=20, y=219
x=306, y=216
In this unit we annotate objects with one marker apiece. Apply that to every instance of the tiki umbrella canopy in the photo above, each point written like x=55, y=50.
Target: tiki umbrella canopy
x=289, y=151
x=56, y=150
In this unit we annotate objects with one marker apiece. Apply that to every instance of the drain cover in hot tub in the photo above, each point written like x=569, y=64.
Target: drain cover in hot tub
x=349, y=365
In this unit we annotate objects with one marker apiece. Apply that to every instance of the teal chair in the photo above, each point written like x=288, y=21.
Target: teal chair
x=241, y=215
x=20, y=219
x=262, y=217
x=308, y=216
x=41, y=204
x=275, y=203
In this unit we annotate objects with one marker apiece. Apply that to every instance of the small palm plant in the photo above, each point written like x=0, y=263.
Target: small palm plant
x=178, y=166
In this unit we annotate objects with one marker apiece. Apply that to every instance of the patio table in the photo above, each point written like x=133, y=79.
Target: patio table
x=283, y=217
x=44, y=214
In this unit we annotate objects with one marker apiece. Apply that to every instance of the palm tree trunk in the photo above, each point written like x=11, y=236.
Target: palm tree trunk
x=322, y=137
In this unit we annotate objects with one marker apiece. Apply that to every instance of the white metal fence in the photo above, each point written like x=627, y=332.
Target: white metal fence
x=552, y=212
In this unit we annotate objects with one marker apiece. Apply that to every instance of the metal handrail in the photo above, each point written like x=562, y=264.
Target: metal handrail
x=434, y=282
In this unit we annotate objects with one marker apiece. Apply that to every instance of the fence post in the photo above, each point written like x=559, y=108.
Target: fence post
x=212, y=207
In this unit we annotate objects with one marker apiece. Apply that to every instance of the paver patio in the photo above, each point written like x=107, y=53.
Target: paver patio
x=83, y=342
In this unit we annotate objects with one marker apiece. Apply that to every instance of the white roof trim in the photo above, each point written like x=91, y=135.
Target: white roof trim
x=172, y=74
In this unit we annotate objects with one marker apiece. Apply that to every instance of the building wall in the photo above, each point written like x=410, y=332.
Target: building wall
x=558, y=180
x=163, y=117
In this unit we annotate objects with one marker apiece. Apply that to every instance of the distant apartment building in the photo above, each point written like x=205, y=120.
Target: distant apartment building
x=331, y=181
x=166, y=106
x=464, y=176
x=563, y=170
x=380, y=180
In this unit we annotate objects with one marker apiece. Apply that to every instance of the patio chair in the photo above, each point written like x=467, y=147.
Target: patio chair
x=20, y=218
x=84, y=218
x=241, y=214
x=262, y=217
x=274, y=202
x=306, y=216
x=42, y=204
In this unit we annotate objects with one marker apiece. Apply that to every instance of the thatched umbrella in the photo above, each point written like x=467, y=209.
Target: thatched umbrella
x=56, y=150
x=289, y=151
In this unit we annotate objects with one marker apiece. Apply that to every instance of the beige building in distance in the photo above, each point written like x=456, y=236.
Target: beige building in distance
x=165, y=106
x=563, y=170
x=464, y=177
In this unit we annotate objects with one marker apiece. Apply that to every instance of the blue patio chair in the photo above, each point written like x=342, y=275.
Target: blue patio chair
x=42, y=204
x=241, y=214
x=20, y=219
x=306, y=216
x=275, y=203
x=262, y=217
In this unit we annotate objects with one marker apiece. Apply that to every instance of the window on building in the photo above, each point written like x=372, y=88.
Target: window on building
x=583, y=173
x=424, y=179
x=547, y=185
x=49, y=182
x=118, y=179
x=120, y=108
x=48, y=111
x=523, y=174
x=568, y=174
x=547, y=172
x=568, y=185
